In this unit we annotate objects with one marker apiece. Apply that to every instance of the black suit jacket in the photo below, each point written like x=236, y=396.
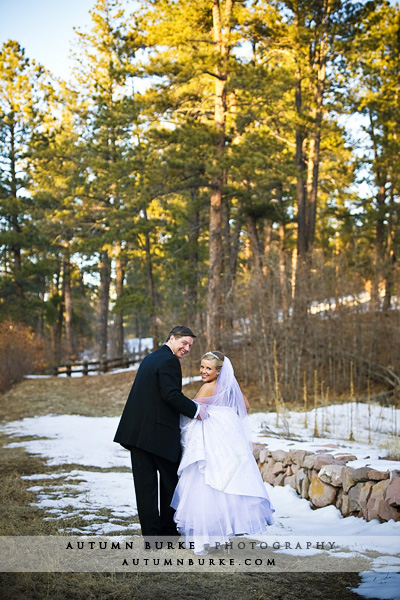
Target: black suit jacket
x=150, y=419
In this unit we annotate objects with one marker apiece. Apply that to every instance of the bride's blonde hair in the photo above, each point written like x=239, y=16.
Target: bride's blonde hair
x=216, y=357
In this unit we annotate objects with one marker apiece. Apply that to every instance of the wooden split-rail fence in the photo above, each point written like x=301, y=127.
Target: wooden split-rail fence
x=85, y=367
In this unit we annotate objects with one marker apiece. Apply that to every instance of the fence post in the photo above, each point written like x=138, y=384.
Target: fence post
x=69, y=370
x=85, y=367
x=104, y=365
x=55, y=370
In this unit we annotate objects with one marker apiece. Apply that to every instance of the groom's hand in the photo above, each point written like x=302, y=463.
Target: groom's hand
x=203, y=412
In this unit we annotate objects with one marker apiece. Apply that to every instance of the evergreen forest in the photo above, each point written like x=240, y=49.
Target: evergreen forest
x=229, y=165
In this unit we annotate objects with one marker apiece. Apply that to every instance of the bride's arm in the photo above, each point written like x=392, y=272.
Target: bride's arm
x=246, y=403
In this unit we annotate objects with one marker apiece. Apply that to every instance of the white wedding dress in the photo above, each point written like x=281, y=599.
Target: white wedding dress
x=220, y=492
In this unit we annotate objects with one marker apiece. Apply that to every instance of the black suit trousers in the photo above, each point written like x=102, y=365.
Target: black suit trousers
x=154, y=521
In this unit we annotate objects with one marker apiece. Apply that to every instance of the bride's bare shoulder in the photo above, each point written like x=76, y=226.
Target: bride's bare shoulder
x=206, y=390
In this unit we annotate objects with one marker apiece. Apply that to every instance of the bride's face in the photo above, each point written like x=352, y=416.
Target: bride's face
x=208, y=371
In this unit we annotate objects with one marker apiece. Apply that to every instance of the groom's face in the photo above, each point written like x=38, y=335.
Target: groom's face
x=181, y=345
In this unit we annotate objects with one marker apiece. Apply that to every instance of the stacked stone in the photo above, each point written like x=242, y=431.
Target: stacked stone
x=324, y=479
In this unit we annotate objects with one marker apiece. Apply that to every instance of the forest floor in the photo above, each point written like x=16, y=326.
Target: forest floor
x=19, y=516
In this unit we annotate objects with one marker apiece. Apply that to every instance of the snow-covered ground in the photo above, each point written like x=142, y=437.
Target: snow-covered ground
x=92, y=477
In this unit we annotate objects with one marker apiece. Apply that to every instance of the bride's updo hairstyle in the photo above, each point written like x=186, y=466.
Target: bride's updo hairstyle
x=216, y=357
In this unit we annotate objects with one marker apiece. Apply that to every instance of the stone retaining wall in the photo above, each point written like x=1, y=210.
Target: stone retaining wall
x=325, y=479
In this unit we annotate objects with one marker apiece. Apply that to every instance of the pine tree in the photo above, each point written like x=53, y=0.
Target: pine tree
x=106, y=112
x=23, y=96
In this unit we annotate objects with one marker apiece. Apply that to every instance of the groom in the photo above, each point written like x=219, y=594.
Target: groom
x=149, y=428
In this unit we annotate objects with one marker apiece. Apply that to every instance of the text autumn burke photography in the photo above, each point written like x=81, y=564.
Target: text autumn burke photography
x=214, y=546
x=152, y=554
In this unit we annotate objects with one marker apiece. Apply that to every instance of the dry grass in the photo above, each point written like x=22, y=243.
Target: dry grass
x=98, y=396
x=121, y=586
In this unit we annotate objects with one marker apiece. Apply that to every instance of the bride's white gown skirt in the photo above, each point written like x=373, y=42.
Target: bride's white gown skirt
x=220, y=492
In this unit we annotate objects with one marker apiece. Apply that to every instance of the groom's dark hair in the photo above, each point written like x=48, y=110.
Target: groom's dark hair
x=180, y=331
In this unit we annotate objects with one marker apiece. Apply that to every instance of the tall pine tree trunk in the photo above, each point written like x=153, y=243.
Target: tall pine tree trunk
x=56, y=327
x=16, y=244
x=193, y=258
x=282, y=252
x=391, y=256
x=104, y=297
x=301, y=276
x=119, y=288
x=221, y=34
x=300, y=173
x=318, y=88
x=69, y=346
x=379, y=259
x=150, y=286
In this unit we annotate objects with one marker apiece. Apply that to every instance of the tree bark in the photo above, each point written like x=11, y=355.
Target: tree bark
x=56, y=327
x=254, y=244
x=119, y=288
x=104, y=297
x=391, y=256
x=315, y=140
x=300, y=172
x=221, y=34
x=16, y=246
x=282, y=253
x=69, y=346
x=193, y=256
x=150, y=286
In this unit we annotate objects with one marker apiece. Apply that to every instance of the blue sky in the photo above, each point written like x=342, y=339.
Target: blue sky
x=44, y=28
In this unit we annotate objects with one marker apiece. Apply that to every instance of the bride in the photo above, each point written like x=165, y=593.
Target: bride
x=220, y=492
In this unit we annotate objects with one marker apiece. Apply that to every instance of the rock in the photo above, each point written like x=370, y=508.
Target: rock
x=256, y=450
x=278, y=468
x=394, y=474
x=295, y=468
x=325, y=479
x=392, y=495
x=321, y=494
x=309, y=461
x=278, y=455
x=345, y=457
x=377, y=475
x=347, y=478
x=325, y=459
x=377, y=507
x=290, y=480
x=354, y=498
x=299, y=479
x=331, y=474
x=339, y=498
x=305, y=488
x=364, y=497
x=360, y=474
x=279, y=479
x=345, y=507
x=299, y=456
x=317, y=461
x=267, y=472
